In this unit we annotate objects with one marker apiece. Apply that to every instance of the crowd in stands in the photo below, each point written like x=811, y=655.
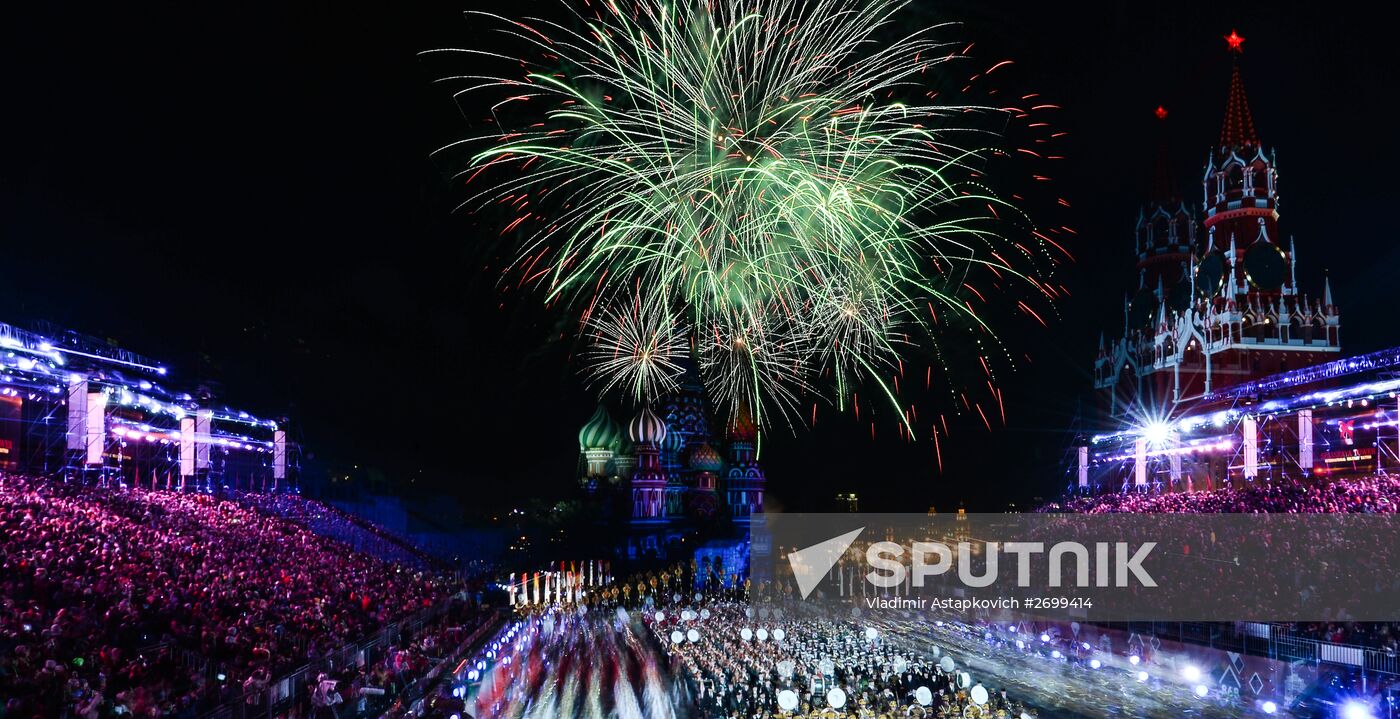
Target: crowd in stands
x=1369, y=495
x=330, y=521
x=160, y=603
x=454, y=551
x=1363, y=495
x=1385, y=637
x=381, y=687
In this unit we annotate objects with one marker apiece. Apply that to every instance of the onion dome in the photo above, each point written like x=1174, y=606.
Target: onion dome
x=705, y=459
x=647, y=428
x=600, y=432
x=742, y=427
x=674, y=443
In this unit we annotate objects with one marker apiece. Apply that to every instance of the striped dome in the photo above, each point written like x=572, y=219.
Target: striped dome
x=647, y=428
x=600, y=432
x=675, y=442
x=706, y=459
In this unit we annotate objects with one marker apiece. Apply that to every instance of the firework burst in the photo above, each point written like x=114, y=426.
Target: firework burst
x=777, y=173
x=756, y=360
x=637, y=349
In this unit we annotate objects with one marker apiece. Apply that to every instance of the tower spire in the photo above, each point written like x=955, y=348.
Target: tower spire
x=1238, y=130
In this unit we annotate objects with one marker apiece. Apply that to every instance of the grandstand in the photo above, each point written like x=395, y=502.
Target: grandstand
x=1333, y=420
x=156, y=603
x=1355, y=658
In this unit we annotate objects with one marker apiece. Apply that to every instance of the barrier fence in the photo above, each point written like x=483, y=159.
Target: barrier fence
x=1275, y=641
x=1289, y=646
x=294, y=688
x=443, y=671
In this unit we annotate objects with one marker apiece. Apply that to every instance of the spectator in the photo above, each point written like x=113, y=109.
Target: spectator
x=325, y=698
x=151, y=598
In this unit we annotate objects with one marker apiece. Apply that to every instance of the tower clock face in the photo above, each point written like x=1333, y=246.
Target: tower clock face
x=1210, y=273
x=1143, y=309
x=1180, y=296
x=1264, y=266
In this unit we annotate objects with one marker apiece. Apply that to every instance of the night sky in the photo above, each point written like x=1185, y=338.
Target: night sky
x=244, y=190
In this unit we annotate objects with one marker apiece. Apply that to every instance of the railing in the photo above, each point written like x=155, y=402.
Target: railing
x=293, y=688
x=443, y=672
x=1293, y=647
x=1274, y=641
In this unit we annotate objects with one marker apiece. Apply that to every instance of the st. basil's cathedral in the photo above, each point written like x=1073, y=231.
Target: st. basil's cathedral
x=677, y=470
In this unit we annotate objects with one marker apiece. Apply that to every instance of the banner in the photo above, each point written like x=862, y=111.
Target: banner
x=203, y=431
x=187, y=446
x=279, y=454
x=96, y=438
x=1140, y=462
x=77, y=416
x=1251, y=448
x=1305, y=439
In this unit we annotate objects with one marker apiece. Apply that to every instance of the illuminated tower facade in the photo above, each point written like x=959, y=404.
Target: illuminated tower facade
x=673, y=476
x=648, y=432
x=744, y=483
x=1216, y=304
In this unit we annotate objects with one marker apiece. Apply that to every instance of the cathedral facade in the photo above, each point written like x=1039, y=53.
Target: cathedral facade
x=677, y=470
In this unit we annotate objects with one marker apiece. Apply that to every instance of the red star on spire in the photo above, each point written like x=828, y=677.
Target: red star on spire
x=1235, y=41
x=1160, y=112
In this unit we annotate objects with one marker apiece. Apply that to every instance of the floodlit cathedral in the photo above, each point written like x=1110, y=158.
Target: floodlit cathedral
x=1218, y=301
x=675, y=468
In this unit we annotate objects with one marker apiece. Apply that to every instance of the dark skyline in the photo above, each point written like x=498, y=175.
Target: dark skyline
x=245, y=192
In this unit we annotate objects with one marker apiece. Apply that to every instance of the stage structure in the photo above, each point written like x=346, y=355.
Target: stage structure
x=76, y=407
x=1337, y=419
